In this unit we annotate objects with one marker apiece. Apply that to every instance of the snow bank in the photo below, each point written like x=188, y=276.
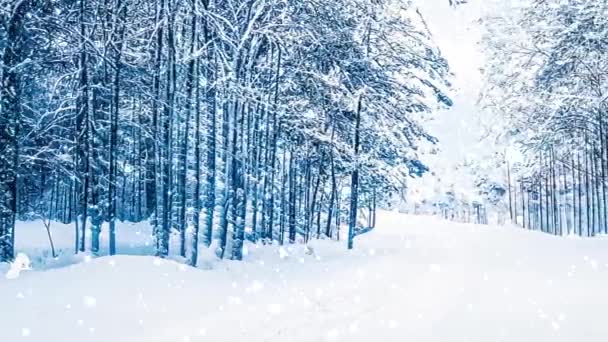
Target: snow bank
x=413, y=278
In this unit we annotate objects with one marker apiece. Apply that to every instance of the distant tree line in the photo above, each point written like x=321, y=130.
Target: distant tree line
x=547, y=78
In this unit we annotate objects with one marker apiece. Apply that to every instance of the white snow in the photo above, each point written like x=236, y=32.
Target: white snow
x=427, y=280
x=21, y=263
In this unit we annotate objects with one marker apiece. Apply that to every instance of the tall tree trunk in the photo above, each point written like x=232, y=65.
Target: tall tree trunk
x=194, y=105
x=549, y=195
x=523, y=205
x=574, y=216
x=603, y=159
x=587, y=188
x=239, y=196
x=209, y=92
x=283, y=211
x=355, y=178
x=313, y=202
x=276, y=128
x=154, y=161
x=597, y=185
x=509, y=190
x=332, y=195
x=10, y=118
x=183, y=164
x=121, y=12
x=556, y=223
x=165, y=231
x=580, y=195
x=256, y=154
x=82, y=131
x=292, y=198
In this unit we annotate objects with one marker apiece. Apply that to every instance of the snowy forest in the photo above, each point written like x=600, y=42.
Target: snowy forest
x=216, y=120
x=303, y=170
x=546, y=78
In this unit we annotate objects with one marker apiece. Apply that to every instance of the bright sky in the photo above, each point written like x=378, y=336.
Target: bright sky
x=457, y=32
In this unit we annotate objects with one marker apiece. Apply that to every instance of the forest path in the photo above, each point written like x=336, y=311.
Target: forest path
x=413, y=278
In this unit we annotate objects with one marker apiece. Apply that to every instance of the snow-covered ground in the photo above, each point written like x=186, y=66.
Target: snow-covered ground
x=412, y=279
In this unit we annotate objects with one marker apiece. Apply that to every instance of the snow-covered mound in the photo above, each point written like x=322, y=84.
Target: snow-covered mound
x=413, y=278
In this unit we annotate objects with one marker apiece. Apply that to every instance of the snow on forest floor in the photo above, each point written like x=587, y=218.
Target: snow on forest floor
x=413, y=278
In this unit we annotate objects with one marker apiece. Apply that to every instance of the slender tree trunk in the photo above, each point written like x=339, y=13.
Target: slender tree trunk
x=284, y=181
x=194, y=105
x=154, y=163
x=574, y=216
x=119, y=36
x=276, y=128
x=209, y=92
x=332, y=195
x=313, y=202
x=548, y=197
x=82, y=131
x=292, y=199
x=354, y=179
x=557, y=229
x=256, y=156
x=183, y=165
x=603, y=159
x=588, y=203
x=596, y=182
x=540, y=199
x=580, y=195
x=514, y=220
x=523, y=205
x=591, y=189
x=530, y=223
x=164, y=233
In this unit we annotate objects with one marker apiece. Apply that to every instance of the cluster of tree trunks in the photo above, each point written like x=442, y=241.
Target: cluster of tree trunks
x=567, y=195
x=193, y=115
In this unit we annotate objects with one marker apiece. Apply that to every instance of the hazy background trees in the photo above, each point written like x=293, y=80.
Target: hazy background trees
x=546, y=76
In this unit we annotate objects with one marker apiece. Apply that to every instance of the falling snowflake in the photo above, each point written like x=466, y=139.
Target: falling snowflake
x=89, y=302
x=593, y=264
x=256, y=286
x=235, y=300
